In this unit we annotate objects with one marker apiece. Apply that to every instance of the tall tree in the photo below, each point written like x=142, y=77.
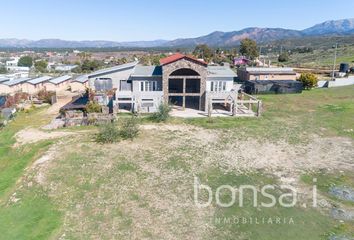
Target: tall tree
x=203, y=51
x=249, y=48
x=41, y=66
x=25, y=61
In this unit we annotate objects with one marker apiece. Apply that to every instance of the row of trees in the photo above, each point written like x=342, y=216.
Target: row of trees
x=248, y=48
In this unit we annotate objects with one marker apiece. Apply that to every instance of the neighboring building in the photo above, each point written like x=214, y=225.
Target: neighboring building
x=238, y=61
x=35, y=85
x=17, y=69
x=79, y=84
x=258, y=73
x=104, y=79
x=58, y=84
x=64, y=68
x=270, y=86
x=12, y=86
x=21, y=74
x=12, y=62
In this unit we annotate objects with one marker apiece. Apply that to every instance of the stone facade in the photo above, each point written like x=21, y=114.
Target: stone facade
x=198, y=67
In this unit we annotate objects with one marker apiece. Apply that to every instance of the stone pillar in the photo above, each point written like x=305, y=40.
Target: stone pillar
x=184, y=93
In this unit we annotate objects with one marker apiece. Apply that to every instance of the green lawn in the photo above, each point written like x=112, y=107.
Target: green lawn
x=34, y=217
x=326, y=112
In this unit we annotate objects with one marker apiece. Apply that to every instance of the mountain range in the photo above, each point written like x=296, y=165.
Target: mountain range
x=217, y=38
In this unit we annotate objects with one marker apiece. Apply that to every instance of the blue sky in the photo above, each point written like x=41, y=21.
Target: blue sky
x=130, y=20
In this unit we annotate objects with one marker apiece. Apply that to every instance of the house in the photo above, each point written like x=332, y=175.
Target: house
x=58, y=84
x=79, y=84
x=104, y=79
x=260, y=73
x=241, y=61
x=180, y=80
x=12, y=86
x=35, y=85
x=13, y=62
x=17, y=69
x=259, y=80
x=183, y=81
x=64, y=67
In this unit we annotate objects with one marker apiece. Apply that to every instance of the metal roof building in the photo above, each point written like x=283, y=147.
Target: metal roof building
x=4, y=79
x=60, y=79
x=39, y=80
x=16, y=81
x=85, y=78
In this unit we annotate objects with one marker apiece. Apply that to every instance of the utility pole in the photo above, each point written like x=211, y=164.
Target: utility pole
x=334, y=61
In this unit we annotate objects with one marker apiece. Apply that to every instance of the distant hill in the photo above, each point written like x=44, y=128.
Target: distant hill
x=218, y=38
x=234, y=38
x=344, y=26
x=58, y=43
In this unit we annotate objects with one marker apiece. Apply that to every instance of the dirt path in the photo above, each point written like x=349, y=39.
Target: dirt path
x=33, y=135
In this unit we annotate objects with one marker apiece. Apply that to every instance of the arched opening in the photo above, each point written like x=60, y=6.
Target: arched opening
x=184, y=88
x=184, y=72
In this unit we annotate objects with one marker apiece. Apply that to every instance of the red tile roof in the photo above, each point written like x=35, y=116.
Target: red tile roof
x=177, y=56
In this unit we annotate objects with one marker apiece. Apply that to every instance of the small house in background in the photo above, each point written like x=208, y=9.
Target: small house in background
x=35, y=85
x=58, y=84
x=64, y=67
x=240, y=61
x=261, y=73
x=272, y=86
x=79, y=84
x=12, y=86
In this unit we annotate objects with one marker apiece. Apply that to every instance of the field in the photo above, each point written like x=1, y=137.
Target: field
x=321, y=58
x=62, y=185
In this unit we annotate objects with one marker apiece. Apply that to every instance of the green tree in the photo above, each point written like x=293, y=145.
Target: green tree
x=284, y=57
x=108, y=133
x=309, y=80
x=25, y=61
x=3, y=70
x=84, y=56
x=41, y=65
x=203, y=51
x=88, y=66
x=249, y=48
x=163, y=113
x=93, y=107
x=129, y=128
x=155, y=59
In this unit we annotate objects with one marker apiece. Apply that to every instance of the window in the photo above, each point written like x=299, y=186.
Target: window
x=218, y=86
x=148, y=86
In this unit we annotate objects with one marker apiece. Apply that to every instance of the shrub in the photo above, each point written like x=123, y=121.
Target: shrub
x=309, y=80
x=108, y=133
x=284, y=57
x=45, y=96
x=163, y=113
x=129, y=128
x=93, y=107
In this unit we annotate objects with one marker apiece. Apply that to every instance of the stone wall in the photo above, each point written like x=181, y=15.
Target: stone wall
x=185, y=63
